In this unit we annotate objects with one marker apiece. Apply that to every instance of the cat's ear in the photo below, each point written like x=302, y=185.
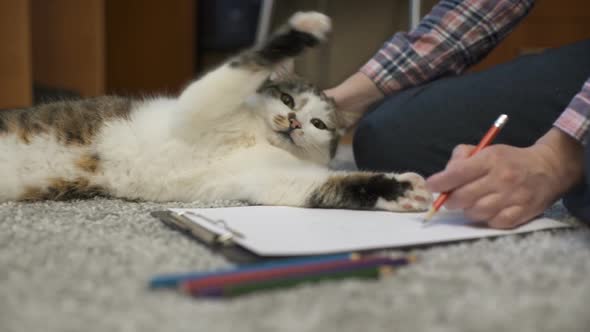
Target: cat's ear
x=283, y=71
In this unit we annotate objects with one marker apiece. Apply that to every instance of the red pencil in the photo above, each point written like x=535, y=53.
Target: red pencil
x=252, y=276
x=485, y=141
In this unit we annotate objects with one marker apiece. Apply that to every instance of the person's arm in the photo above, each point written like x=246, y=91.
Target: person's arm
x=453, y=36
x=353, y=97
x=507, y=186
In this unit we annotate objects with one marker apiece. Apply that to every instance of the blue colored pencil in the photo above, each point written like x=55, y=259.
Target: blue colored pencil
x=174, y=280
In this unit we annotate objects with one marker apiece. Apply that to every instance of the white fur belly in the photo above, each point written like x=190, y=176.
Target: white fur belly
x=139, y=159
x=158, y=169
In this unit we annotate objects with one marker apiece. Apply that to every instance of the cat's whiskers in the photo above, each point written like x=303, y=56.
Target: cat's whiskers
x=313, y=147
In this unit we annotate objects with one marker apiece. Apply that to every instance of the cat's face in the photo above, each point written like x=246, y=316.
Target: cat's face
x=302, y=119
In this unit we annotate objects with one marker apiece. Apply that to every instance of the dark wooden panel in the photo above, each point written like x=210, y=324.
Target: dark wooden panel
x=15, y=57
x=68, y=44
x=150, y=45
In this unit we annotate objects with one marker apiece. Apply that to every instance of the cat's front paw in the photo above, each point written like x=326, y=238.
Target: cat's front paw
x=313, y=23
x=415, y=198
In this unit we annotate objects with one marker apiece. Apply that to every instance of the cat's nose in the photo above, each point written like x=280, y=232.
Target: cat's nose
x=293, y=123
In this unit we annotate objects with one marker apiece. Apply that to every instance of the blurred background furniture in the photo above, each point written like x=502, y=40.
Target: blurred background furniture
x=132, y=47
x=94, y=47
x=15, y=58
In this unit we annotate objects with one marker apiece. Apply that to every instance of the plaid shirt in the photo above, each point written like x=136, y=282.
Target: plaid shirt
x=455, y=35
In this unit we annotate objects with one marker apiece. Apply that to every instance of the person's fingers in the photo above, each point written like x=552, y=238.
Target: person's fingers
x=507, y=218
x=485, y=208
x=458, y=173
x=462, y=151
x=467, y=195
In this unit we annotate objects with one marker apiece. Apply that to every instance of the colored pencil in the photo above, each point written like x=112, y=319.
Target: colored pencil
x=173, y=280
x=485, y=141
x=288, y=271
x=373, y=272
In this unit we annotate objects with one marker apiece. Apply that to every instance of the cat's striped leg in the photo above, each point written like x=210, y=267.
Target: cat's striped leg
x=342, y=190
x=224, y=89
x=372, y=191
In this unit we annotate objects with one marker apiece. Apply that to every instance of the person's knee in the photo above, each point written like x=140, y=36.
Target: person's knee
x=363, y=144
x=396, y=144
x=378, y=147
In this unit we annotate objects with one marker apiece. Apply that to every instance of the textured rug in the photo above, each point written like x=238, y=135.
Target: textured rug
x=83, y=266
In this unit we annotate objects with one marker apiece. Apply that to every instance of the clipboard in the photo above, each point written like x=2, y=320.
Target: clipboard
x=218, y=243
x=253, y=233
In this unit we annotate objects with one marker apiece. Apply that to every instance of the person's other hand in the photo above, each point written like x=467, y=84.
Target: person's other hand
x=353, y=97
x=508, y=186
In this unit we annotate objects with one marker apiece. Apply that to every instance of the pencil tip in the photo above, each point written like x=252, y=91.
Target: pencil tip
x=428, y=216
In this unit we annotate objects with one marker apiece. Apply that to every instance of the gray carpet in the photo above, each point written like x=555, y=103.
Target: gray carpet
x=83, y=266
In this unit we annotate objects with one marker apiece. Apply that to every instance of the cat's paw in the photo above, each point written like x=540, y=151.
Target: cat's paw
x=416, y=197
x=280, y=122
x=313, y=23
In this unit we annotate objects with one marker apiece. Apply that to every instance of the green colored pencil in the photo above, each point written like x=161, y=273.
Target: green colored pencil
x=375, y=272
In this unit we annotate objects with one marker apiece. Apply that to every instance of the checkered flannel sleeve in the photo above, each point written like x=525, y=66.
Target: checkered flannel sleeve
x=576, y=118
x=453, y=36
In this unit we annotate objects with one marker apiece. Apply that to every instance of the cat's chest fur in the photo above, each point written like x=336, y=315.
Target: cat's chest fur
x=145, y=155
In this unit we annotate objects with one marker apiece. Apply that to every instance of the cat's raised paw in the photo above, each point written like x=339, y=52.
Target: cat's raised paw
x=416, y=198
x=280, y=122
x=314, y=23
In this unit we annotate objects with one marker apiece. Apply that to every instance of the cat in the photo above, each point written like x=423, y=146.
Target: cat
x=234, y=134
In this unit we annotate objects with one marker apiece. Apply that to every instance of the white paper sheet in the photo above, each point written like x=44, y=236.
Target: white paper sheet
x=286, y=231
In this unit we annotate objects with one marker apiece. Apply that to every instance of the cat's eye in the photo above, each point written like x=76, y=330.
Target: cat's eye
x=287, y=100
x=318, y=123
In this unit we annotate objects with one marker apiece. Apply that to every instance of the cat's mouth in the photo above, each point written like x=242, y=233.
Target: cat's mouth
x=286, y=134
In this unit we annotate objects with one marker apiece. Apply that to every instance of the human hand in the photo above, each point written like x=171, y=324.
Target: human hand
x=353, y=97
x=508, y=186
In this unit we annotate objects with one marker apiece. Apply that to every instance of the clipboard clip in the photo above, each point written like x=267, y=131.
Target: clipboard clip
x=225, y=237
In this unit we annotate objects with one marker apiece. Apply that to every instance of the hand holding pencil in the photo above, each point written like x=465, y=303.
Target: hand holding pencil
x=507, y=186
x=485, y=141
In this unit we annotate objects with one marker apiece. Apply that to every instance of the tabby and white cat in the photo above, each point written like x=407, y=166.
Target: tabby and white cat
x=231, y=135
